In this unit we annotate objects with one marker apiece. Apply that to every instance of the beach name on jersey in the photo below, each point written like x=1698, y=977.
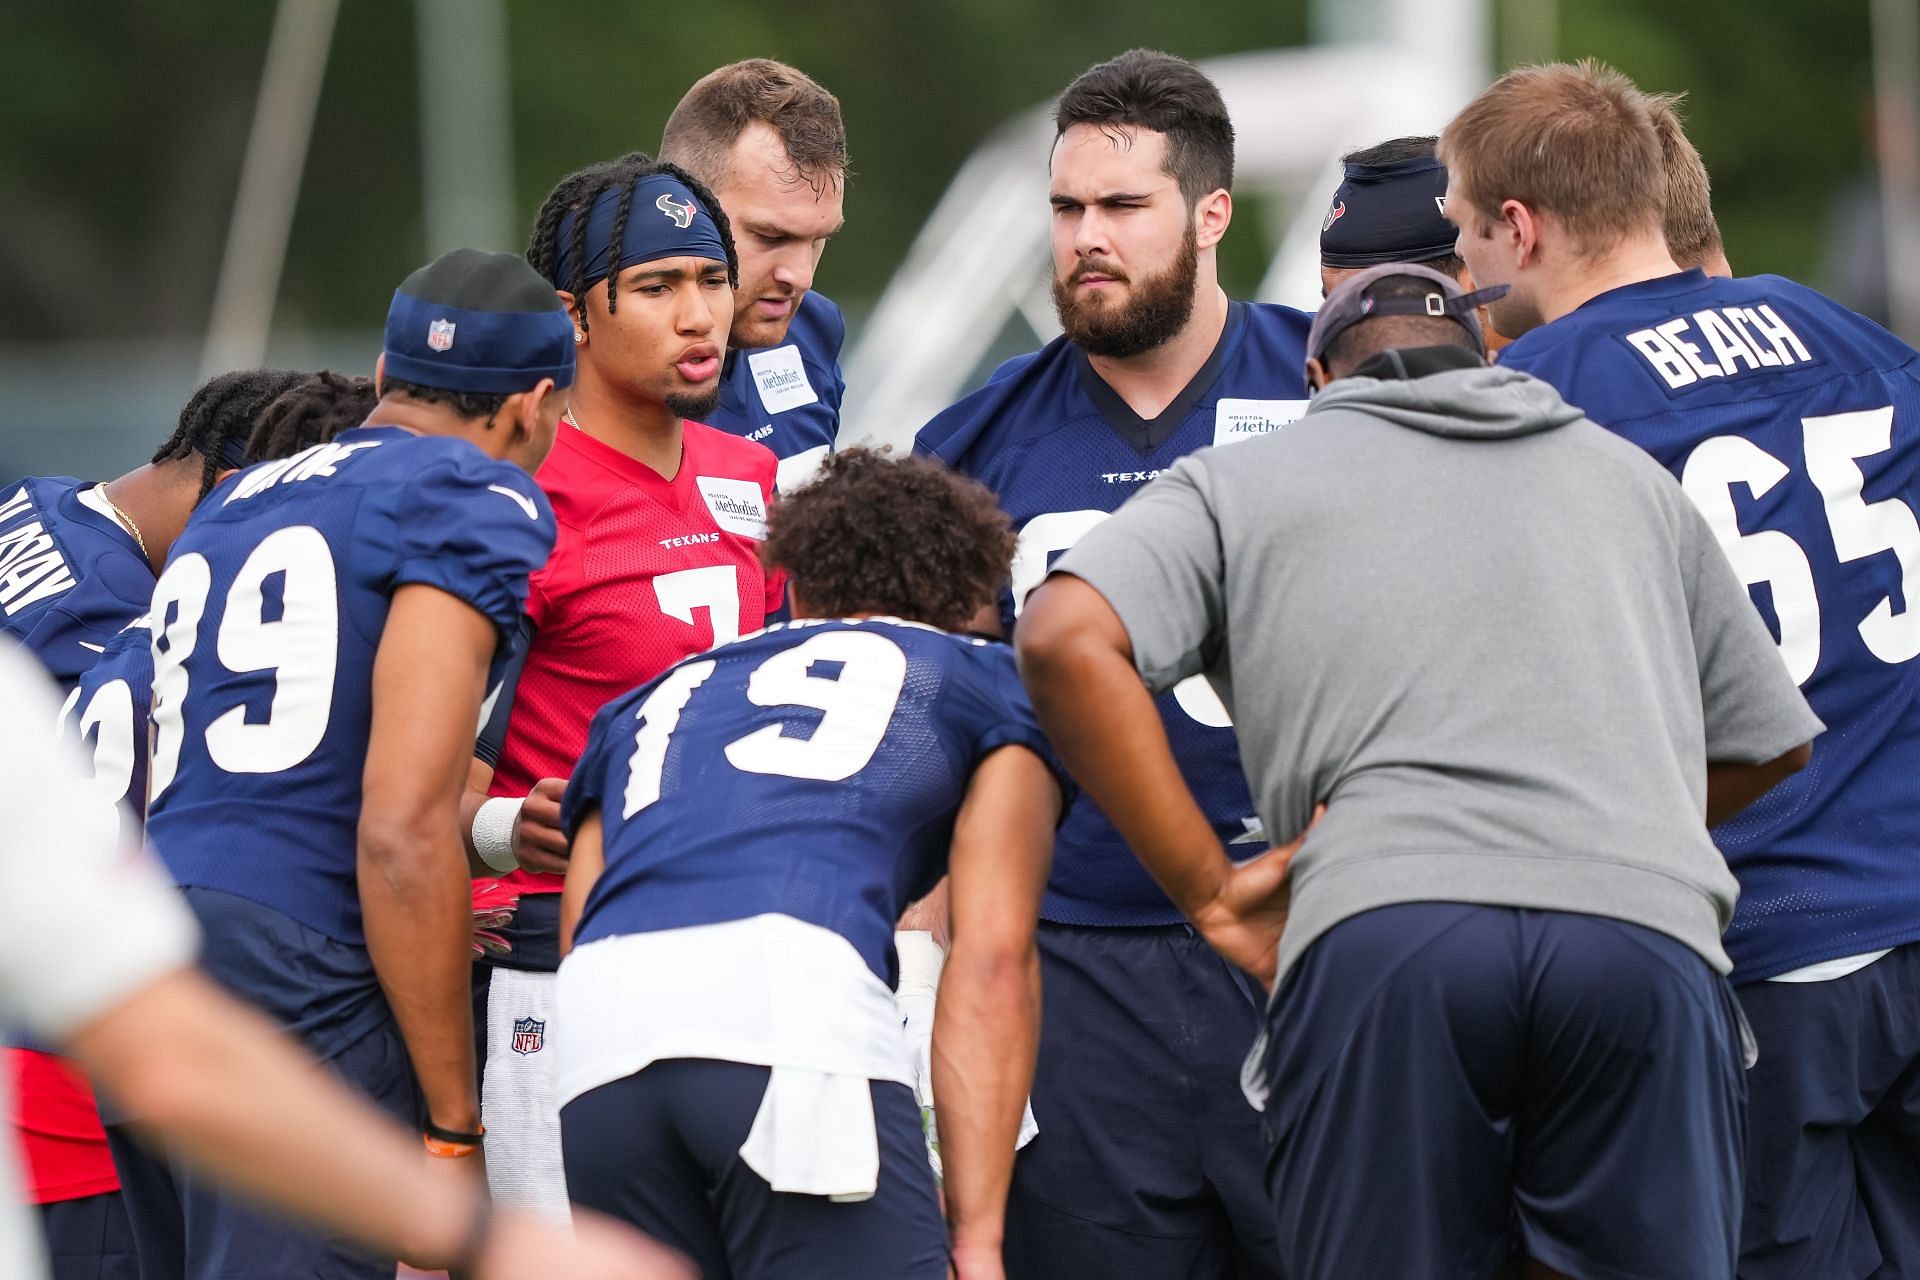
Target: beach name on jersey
x=31, y=566
x=1722, y=340
x=305, y=465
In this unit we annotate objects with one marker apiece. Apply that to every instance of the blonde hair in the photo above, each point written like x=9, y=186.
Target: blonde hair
x=1574, y=141
x=1692, y=234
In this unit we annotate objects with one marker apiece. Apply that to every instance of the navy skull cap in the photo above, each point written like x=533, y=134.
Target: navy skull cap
x=478, y=322
x=1388, y=213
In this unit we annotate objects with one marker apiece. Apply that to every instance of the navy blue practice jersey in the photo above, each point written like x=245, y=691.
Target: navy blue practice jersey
x=70, y=576
x=264, y=630
x=812, y=770
x=787, y=397
x=1062, y=451
x=1794, y=425
x=107, y=715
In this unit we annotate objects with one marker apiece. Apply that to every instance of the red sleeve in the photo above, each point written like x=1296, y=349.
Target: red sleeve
x=776, y=583
x=549, y=584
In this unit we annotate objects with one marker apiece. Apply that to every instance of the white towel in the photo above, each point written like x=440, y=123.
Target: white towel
x=814, y=1135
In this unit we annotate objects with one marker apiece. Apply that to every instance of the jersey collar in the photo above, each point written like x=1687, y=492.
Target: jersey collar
x=632, y=471
x=1669, y=286
x=1148, y=434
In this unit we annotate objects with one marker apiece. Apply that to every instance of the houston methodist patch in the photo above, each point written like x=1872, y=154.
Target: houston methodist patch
x=781, y=378
x=736, y=505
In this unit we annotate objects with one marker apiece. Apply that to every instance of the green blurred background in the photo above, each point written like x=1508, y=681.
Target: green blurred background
x=126, y=123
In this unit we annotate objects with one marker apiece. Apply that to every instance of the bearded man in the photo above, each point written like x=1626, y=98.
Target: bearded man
x=1147, y=1160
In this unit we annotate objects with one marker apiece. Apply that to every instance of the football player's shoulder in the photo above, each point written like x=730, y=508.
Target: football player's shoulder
x=979, y=664
x=819, y=328
x=1561, y=350
x=1850, y=334
x=713, y=452
x=576, y=484
x=994, y=413
x=444, y=474
x=1277, y=322
x=44, y=492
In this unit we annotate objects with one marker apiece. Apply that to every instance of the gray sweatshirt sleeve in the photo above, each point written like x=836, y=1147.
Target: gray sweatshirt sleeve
x=1753, y=710
x=1158, y=563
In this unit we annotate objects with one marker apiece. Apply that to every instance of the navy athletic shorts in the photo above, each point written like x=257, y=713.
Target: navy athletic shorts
x=661, y=1149
x=1148, y=1160
x=88, y=1239
x=187, y=1231
x=1453, y=1085
x=1833, y=1125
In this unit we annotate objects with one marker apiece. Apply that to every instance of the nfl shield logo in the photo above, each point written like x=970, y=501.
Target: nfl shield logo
x=529, y=1034
x=440, y=335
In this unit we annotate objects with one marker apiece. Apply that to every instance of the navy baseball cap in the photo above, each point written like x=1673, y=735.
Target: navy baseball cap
x=1392, y=212
x=480, y=322
x=1351, y=302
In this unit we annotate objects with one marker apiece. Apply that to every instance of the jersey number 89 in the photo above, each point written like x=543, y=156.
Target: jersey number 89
x=301, y=648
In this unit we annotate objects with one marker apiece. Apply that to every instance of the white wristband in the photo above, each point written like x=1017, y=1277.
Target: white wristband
x=493, y=832
x=921, y=960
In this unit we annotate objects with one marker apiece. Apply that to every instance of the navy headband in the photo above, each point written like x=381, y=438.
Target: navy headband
x=233, y=451
x=1388, y=213
x=455, y=348
x=664, y=221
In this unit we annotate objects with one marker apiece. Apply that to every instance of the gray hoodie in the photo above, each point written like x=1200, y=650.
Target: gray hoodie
x=1498, y=641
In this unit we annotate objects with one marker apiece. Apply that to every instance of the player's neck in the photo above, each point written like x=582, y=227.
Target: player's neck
x=1634, y=260
x=1150, y=381
x=156, y=499
x=648, y=432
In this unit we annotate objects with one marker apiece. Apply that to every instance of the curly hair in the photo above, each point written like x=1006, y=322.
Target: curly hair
x=309, y=413
x=898, y=536
x=222, y=411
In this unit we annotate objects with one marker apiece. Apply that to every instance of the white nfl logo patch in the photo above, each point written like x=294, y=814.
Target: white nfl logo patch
x=440, y=335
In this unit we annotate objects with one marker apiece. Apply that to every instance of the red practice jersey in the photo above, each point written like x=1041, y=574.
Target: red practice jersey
x=645, y=572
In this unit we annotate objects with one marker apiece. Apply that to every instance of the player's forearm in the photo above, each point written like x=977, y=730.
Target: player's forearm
x=418, y=916
x=1732, y=787
x=226, y=1093
x=986, y=1031
x=1103, y=723
x=474, y=794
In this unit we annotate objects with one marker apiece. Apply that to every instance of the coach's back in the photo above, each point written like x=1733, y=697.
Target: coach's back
x=1490, y=639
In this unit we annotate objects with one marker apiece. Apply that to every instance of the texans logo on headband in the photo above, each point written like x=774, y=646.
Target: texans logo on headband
x=685, y=229
x=681, y=211
x=1334, y=214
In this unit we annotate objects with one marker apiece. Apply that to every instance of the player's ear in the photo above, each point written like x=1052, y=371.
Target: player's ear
x=1317, y=378
x=537, y=412
x=573, y=314
x=1520, y=229
x=1211, y=218
x=379, y=374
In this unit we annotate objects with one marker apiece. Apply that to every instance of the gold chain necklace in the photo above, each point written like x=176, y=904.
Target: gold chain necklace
x=126, y=520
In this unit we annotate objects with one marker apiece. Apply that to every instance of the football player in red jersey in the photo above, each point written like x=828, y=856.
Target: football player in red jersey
x=660, y=521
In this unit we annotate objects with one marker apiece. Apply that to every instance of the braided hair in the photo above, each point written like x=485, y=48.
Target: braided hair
x=222, y=411
x=578, y=191
x=311, y=412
